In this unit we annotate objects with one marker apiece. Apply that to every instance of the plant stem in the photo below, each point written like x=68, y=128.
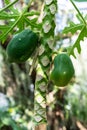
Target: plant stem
x=78, y=12
x=6, y=7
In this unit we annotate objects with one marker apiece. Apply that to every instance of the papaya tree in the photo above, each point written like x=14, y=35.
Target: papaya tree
x=33, y=38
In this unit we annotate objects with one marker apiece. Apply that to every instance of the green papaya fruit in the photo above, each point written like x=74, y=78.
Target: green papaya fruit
x=63, y=70
x=21, y=46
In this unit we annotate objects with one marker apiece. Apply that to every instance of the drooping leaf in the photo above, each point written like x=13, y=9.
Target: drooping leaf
x=81, y=36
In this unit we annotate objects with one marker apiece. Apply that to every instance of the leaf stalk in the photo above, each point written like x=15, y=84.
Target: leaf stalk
x=78, y=12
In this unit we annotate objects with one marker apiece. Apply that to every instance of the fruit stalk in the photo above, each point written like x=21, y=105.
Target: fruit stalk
x=44, y=61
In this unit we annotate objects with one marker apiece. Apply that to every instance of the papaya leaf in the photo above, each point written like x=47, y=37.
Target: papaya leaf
x=7, y=2
x=13, y=19
x=32, y=22
x=81, y=36
x=4, y=34
x=73, y=28
x=6, y=15
x=4, y=27
x=21, y=24
x=32, y=13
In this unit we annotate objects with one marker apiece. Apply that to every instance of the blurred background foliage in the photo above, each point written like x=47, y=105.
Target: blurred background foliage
x=67, y=107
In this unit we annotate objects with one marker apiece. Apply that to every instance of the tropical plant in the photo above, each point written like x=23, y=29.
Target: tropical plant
x=15, y=21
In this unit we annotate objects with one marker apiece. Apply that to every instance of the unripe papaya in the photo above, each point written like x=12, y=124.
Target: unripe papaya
x=63, y=70
x=21, y=46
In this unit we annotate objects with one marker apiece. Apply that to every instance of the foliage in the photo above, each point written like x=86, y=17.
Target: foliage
x=73, y=28
x=14, y=21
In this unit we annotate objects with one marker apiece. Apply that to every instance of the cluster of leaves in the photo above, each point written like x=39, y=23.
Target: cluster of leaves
x=73, y=28
x=15, y=20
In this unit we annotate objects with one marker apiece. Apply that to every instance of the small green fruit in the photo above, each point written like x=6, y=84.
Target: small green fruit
x=63, y=70
x=21, y=46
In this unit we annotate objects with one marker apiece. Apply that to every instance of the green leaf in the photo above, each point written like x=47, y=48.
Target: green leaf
x=81, y=36
x=3, y=35
x=15, y=20
x=4, y=27
x=32, y=23
x=32, y=13
x=73, y=28
x=6, y=15
x=7, y=2
x=21, y=24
